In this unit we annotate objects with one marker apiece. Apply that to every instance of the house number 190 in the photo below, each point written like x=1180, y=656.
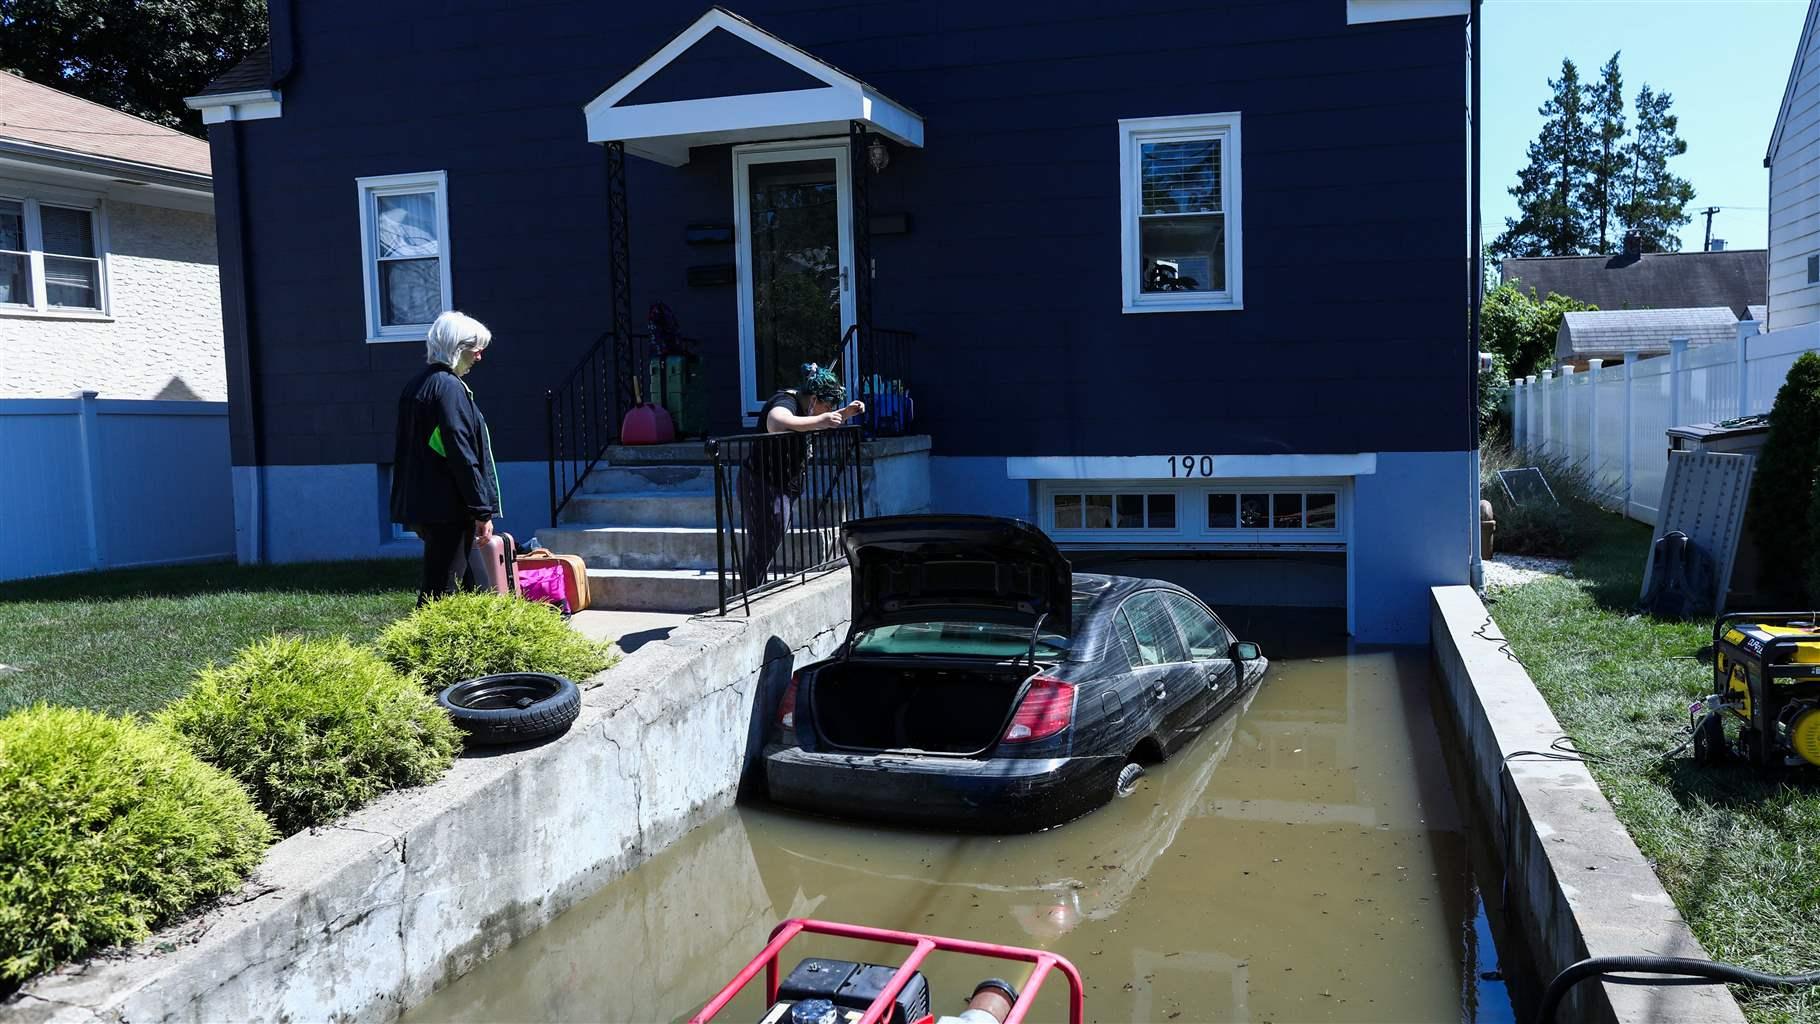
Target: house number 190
x=1190, y=466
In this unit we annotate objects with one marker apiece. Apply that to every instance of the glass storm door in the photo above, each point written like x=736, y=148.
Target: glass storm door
x=792, y=216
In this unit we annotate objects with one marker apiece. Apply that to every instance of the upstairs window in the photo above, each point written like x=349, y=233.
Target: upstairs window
x=404, y=244
x=50, y=258
x=1179, y=198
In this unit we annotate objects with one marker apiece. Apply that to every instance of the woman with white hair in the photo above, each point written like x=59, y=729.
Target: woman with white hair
x=444, y=484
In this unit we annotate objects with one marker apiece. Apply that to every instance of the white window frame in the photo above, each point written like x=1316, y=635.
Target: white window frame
x=1133, y=133
x=1191, y=521
x=40, y=305
x=370, y=189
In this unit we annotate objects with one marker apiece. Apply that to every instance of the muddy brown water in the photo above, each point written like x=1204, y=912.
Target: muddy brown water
x=1305, y=859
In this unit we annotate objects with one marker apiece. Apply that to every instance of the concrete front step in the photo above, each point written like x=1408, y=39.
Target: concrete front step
x=642, y=508
x=654, y=590
x=612, y=479
x=655, y=547
x=675, y=454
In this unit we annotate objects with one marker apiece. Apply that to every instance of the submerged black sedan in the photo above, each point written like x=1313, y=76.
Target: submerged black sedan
x=985, y=686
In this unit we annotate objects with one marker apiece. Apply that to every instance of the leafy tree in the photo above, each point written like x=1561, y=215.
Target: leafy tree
x=1551, y=220
x=1788, y=469
x=1605, y=103
x=140, y=56
x=1655, y=204
x=1520, y=329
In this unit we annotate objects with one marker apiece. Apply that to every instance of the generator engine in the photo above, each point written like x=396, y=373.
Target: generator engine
x=822, y=991
x=1766, y=677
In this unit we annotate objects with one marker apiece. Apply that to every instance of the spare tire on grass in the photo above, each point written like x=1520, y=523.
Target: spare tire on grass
x=512, y=707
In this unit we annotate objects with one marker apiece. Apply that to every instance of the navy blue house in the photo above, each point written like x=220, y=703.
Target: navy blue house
x=1179, y=279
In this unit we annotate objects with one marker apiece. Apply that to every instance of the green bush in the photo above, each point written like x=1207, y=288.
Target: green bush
x=314, y=728
x=465, y=636
x=1784, y=487
x=1562, y=530
x=108, y=829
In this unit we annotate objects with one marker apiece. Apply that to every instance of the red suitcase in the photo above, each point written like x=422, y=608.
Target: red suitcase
x=490, y=565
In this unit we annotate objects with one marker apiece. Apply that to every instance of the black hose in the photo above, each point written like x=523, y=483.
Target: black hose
x=1706, y=971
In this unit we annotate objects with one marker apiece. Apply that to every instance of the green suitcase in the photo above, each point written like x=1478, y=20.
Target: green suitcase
x=676, y=384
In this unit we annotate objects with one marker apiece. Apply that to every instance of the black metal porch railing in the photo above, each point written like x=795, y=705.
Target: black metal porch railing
x=779, y=502
x=880, y=378
x=585, y=410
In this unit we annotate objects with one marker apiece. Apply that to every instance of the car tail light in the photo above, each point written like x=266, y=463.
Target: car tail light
x=1046, y=709
x=786, y=708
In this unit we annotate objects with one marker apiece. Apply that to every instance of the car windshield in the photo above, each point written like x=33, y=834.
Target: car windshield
x=987, y=639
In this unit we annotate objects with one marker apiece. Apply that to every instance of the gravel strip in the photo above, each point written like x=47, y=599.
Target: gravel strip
x=1516, y=570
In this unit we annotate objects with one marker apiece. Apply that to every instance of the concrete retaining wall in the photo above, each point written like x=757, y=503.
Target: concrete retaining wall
x=1576, y=885
x=360, y=920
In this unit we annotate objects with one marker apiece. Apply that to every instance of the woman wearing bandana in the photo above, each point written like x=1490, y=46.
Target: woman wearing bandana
x=772, y=478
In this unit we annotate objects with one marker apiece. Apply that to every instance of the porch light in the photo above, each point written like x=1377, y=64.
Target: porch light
x=877, y=155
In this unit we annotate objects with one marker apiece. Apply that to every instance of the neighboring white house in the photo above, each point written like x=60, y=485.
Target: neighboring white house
x=1794, y=190
x=108, y=276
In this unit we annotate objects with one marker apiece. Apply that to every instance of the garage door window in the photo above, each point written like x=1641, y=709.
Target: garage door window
x=1113, y=511
x=1280, y=510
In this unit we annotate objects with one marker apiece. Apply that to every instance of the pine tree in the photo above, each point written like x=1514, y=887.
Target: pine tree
x=1605, y=104
x=1655, y=201
x=1551, y=220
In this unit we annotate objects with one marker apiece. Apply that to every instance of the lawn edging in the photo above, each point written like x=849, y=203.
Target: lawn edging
x=364, y=918
x=1577, y=885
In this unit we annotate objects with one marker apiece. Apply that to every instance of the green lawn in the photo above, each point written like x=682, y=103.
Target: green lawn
x=1740, y=853
x=130, y=640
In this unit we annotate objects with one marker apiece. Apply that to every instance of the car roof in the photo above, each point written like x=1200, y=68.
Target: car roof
x=1093, y=621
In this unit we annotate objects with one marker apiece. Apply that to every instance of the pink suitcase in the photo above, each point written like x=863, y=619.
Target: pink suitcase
x=491, y=565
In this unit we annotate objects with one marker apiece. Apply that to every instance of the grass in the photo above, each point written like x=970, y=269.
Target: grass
x=1738, y=851
x=131, y=640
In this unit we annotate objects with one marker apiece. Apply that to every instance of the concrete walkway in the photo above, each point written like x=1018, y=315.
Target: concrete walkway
x=631, y=630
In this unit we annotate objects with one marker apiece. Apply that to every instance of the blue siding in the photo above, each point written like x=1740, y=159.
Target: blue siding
x=1355, y=251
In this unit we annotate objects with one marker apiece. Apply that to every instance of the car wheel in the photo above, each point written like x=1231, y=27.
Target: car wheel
x=1128, y=779
x=513, y=707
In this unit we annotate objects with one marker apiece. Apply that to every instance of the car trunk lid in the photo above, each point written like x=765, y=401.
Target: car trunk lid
x=956, y=568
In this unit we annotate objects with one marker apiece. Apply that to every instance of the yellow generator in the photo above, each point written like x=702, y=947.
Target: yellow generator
x=1766, y=675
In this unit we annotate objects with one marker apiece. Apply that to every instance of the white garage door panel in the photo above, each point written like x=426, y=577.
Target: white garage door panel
x=1234, y=515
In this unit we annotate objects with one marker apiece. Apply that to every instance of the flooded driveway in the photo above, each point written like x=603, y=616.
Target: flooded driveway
x=1304, y=860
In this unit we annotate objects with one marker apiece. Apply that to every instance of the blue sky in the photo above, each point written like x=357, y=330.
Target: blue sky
x=1725, y=61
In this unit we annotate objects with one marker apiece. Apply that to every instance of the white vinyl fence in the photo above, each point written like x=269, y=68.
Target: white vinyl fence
x=1613, y=421
x=106, y=483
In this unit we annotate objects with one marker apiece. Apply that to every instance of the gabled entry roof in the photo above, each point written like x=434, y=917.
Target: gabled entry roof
x=753, y=87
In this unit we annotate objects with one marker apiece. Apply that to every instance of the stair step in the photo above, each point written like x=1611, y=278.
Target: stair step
x=676, y=453
x=654, y=590
x=610, y=479
x=642, y=508
x=606, y=546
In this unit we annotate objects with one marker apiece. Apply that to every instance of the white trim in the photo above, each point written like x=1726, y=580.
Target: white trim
x=665, y=132
x=368, y=189
x=769, y=153
x=1157, y=467
x=1133, y=132
x=32, y=201
x=247, y=105
x=1367, y=12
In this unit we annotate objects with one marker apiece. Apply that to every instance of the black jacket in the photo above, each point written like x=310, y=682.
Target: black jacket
x=442, y=467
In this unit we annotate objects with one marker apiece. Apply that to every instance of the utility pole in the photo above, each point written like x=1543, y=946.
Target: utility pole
x=1708, y=212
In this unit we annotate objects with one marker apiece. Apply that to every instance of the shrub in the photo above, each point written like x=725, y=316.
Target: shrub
x=1562, y=530
x=108, y=829
x=1784, y=485
x=465, y=636
x=314, y=728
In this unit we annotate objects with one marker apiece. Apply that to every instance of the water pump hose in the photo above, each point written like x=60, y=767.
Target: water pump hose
x=1706, y=971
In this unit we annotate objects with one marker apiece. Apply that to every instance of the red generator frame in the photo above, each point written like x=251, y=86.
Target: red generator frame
x=924, y=945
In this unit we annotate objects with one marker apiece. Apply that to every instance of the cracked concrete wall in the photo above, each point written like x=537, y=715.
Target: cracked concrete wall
x=1576, y=884
x=360, y=920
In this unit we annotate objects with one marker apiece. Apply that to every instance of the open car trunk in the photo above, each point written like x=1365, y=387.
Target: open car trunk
x=958, y=706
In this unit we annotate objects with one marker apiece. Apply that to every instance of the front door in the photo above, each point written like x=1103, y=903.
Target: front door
x=792, y=214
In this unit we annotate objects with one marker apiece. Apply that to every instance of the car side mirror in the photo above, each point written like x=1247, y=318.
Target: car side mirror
x=1244, y=650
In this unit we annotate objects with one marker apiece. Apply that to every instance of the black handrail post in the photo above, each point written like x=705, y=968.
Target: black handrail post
x=549, y=418
x=712, y=447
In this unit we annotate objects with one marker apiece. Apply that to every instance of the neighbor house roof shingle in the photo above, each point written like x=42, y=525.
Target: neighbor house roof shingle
x=1606, y=334
x=1734, y=278
x=43, y=116
x=251, y=74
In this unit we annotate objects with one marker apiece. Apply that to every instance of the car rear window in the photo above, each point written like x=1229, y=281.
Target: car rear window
x=984, y=639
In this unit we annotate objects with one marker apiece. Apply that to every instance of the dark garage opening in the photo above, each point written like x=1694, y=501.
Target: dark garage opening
x=1292, y=603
